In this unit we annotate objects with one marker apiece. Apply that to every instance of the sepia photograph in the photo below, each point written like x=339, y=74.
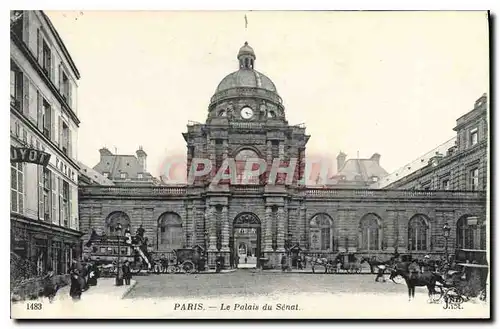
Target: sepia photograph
x=250, y=164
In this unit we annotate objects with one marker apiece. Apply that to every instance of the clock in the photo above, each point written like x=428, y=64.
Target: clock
x=246, y=113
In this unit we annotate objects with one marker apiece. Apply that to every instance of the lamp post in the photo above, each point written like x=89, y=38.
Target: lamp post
x=119, y=279
x=446, y=234
x=206, y=249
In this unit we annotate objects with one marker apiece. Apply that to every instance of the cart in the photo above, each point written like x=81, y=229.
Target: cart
x=105, y=251
x=185, y=261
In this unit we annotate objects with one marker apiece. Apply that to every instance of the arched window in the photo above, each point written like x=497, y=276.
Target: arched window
x=115, y=218
x=321, y=233
x=471, y=233
x=370, y=232
x=170, y=235
x=241, y=159
x=418, y=230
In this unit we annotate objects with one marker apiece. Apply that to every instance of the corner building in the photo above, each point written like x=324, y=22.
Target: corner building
x=244, y=222
x=43, y=116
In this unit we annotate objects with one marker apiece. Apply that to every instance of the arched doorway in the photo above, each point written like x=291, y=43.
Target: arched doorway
x=245, y=244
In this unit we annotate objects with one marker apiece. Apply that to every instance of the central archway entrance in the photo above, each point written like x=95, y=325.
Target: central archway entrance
x=245, y=244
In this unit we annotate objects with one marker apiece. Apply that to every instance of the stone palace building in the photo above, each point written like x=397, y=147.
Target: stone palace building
x=247, y=119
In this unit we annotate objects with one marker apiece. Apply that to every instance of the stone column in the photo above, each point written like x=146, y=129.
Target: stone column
x=281, y=229
x=304, y=233
x=269, y=159
x=212, y=229
x=268, y=237
x=224, y=150
x=212, y=158
x=225, y=229
x=402, y=231
x=281, y=148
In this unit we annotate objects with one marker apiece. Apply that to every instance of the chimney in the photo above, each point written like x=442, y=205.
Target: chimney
x=105, y=152
x=376, y=157
x=141, y=156
x=341, y=160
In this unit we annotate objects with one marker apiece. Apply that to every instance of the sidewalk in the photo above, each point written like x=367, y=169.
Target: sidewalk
x=105, y=286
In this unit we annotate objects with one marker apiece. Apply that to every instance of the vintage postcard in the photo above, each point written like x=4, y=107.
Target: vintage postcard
x=257, y=165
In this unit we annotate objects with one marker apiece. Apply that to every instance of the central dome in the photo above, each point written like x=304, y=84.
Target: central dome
x=246, y=76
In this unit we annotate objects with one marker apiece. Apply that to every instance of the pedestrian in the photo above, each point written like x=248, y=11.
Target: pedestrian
x=93, y=274
x=381, y=271
x=283, y=262
x=164, y=263
x=127, y=274
x=128, y=235
x=75, y=290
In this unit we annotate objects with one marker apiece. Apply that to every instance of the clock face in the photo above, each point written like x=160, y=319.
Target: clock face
x=246, y=113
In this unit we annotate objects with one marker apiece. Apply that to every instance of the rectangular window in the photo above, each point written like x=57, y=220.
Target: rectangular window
x=65, y=87
x=47, y=194
x=65, y=138
x=140, y=176
x=16, y=187
x=46, y=59
x=123, y=175
x=474, y=179
x=473, y=137
x=16, y=86
x=46, y=118
x=445, y=184
x=65, y=203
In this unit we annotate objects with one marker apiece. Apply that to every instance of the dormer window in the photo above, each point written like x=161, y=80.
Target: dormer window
x=123, y=175
x=105, y=174
x=140, y=176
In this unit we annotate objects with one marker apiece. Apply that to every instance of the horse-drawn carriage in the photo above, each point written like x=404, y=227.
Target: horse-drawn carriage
x=467, y=278
x=105, y=251
x=338, y=263
x=186, y=260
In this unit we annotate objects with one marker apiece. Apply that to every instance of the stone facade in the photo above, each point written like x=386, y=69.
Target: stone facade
x=247, y=119
x=463, y=167
x=44, y=200
x=283, y=215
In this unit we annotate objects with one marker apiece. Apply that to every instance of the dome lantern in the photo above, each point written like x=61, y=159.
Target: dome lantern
x=246, y=57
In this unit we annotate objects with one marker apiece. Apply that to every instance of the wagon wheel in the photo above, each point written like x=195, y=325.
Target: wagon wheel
x=171, y=269
x=188, y=267
x=358, y=270
x=437, y=295
x=398, y=279
x=452, y=296
x=136, y=267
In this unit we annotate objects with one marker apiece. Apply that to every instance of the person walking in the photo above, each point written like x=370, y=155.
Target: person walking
x=283, y=263
x=127, y=274
x=381, y=271
x=75, y=290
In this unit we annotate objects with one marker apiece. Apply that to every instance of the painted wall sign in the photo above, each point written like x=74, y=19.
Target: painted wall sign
x=22, y=154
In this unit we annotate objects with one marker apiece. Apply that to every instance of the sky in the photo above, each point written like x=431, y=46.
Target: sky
x=391, y=83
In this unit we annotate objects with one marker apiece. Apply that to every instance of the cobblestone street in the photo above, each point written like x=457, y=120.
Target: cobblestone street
x=250, y=283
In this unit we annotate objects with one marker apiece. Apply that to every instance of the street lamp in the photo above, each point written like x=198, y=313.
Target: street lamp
x=446, y=234
x=119, y=279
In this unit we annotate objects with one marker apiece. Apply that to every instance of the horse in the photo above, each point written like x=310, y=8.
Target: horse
x=374, y=263
x=426, y=279
x=351, y=267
